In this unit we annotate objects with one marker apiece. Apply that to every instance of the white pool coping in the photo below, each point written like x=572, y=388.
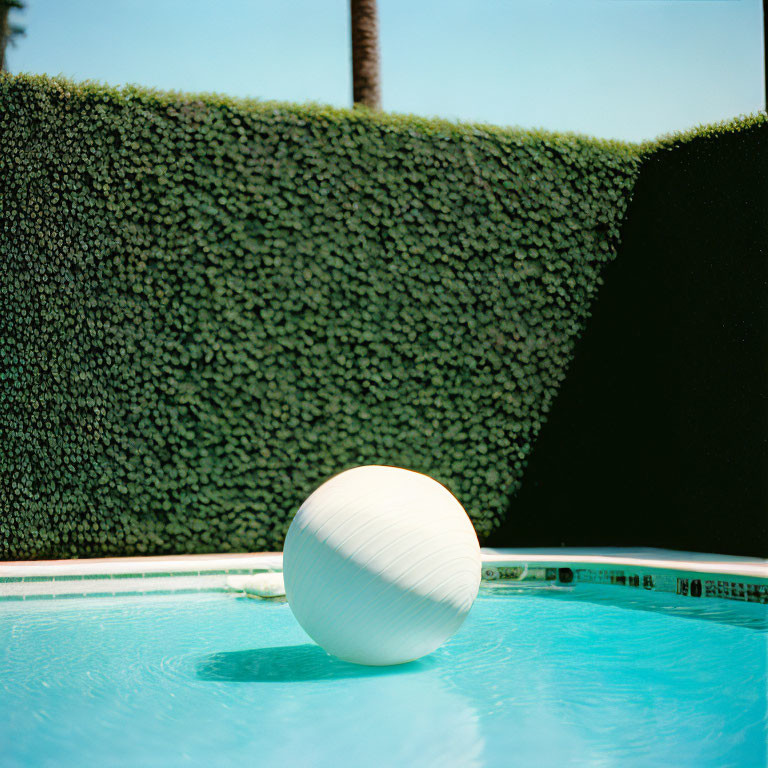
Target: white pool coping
x=192, y=564
x=131, y=575
x=638, y=557
x=665, y=559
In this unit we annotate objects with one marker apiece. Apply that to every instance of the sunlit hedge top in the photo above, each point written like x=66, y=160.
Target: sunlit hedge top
x=707, y=132
x=209, y=306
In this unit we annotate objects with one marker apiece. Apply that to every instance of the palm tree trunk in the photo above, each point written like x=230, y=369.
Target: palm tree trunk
x=4, y=33
x=366, y=88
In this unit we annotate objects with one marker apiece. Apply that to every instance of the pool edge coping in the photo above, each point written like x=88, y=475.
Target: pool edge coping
x=698, y=575
x=272, y=561
x=757, y=570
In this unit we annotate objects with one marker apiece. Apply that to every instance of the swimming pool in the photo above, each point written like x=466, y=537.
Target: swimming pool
x=540, y=674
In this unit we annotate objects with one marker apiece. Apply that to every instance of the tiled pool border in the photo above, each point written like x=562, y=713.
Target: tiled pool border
x=687, y=583
x=744, y=580
x=134, y=576
x=689, y=574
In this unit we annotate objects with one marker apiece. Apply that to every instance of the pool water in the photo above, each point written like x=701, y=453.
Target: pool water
x=536, y=676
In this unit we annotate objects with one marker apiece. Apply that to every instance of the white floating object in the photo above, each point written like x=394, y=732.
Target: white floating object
x=381, y=565
x=258, y=584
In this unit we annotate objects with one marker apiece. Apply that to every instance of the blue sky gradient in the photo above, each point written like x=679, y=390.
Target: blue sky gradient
x=628, y=69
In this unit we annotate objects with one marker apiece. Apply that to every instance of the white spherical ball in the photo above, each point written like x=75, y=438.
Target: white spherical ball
x=381, y=565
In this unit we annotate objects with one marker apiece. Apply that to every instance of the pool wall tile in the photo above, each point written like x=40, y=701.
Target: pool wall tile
x=688, y=584
x=33, y=588
x=518, y=573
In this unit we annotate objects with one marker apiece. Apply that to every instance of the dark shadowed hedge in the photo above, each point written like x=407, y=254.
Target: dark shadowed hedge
x=659, y=435
x=210, y=306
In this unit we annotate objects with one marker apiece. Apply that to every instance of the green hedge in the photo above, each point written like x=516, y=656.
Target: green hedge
x=663, y=412
x=210, y=306
x=715, y=132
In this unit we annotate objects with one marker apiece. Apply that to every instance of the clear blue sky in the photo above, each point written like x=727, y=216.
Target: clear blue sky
x=628, y=69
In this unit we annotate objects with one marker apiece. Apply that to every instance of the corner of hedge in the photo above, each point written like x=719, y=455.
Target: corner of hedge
x=742, y=125
x=209, y=306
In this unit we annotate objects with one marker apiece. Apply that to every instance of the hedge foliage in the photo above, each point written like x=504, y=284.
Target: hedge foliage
x=663, y=412
x=210, y=306
x=703, y=133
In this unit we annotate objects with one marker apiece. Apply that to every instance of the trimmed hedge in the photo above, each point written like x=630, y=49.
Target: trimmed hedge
x=701, y=134
x=210, y=306
x=663, y=413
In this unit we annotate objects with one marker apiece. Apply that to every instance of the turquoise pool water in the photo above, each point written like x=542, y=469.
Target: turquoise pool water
x=535, y=677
